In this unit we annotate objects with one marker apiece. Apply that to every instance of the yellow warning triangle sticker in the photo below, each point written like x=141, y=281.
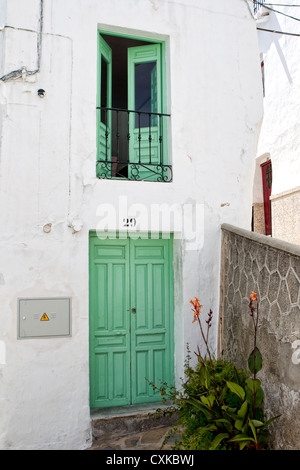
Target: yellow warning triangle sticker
x=44, y=317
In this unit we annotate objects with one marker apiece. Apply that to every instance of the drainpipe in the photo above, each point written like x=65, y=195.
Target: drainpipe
x=23, y=71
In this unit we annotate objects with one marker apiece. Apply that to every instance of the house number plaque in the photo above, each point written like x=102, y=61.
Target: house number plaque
x=129, y=222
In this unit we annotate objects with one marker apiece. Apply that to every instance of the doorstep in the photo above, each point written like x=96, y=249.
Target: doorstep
x=110, y=425
x=128, y=410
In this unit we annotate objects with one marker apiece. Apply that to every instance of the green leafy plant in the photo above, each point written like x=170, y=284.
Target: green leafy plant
x=220, y=406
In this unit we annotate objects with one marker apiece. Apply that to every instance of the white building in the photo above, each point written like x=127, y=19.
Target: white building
x=279, y=46
x=84, y=320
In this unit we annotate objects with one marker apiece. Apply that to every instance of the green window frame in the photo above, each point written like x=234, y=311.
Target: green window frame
x=132, y=122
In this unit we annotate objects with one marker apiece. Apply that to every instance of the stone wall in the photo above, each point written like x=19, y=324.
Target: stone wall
x=270, y=267
x=284, y=206
x=258, y=214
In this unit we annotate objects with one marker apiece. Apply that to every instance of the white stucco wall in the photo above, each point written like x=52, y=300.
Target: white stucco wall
x=280, y=129
x=47, y=176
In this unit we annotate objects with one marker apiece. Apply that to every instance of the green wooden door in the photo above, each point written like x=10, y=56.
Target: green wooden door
x=109, y=322
x=131, y=320
x=104, y=100
x=145, y=97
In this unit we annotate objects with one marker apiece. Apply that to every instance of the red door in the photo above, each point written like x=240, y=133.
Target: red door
x=267, y=188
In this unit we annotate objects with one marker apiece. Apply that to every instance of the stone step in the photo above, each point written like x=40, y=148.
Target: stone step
x=127, y=423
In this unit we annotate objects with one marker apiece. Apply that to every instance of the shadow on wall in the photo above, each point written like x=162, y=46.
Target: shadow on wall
x=266, y=40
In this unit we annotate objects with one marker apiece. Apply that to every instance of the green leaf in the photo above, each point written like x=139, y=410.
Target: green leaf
x=208, y=401
x=237, y=389
x=243, y=444
x=245, y=428
x=243, y=410
x=230, y=412
x=259, y=397
x=241, y=416
x=257, y=423
x=223, y=393
x=255, y=361
x=223, y=423
x=204, y=376
x=209, y=427
x=266, y=424
x=238, y=424
x=200, y=406
x=229, y=409
x=254, y=389
x=222, y=420
x=253, y=429
x=241, y=438
x=207, y=378
x=253, y=384
x=218, y=439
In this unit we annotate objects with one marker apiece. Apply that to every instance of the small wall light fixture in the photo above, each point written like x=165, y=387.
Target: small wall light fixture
x=41, y=93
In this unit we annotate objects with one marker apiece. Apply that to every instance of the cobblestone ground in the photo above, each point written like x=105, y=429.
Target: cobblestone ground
x=152, y=439
x=139, y=427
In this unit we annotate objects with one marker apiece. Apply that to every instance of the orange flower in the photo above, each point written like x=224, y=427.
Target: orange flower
x=253, y=297
x=196, y=308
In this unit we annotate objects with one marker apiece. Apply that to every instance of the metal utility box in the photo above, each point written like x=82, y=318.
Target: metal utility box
x=44, y=318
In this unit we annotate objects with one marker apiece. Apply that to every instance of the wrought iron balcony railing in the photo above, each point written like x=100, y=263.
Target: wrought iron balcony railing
x=257, y=4
x=132, y=145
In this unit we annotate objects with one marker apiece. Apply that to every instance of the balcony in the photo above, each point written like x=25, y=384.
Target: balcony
x=132, y=145
x=257, y=5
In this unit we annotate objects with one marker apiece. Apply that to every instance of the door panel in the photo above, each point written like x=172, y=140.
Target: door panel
x=109, y=322
x=104, y=99
x=144, y=96
x=267, y=189
x=152, y=330
x=131, y=325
